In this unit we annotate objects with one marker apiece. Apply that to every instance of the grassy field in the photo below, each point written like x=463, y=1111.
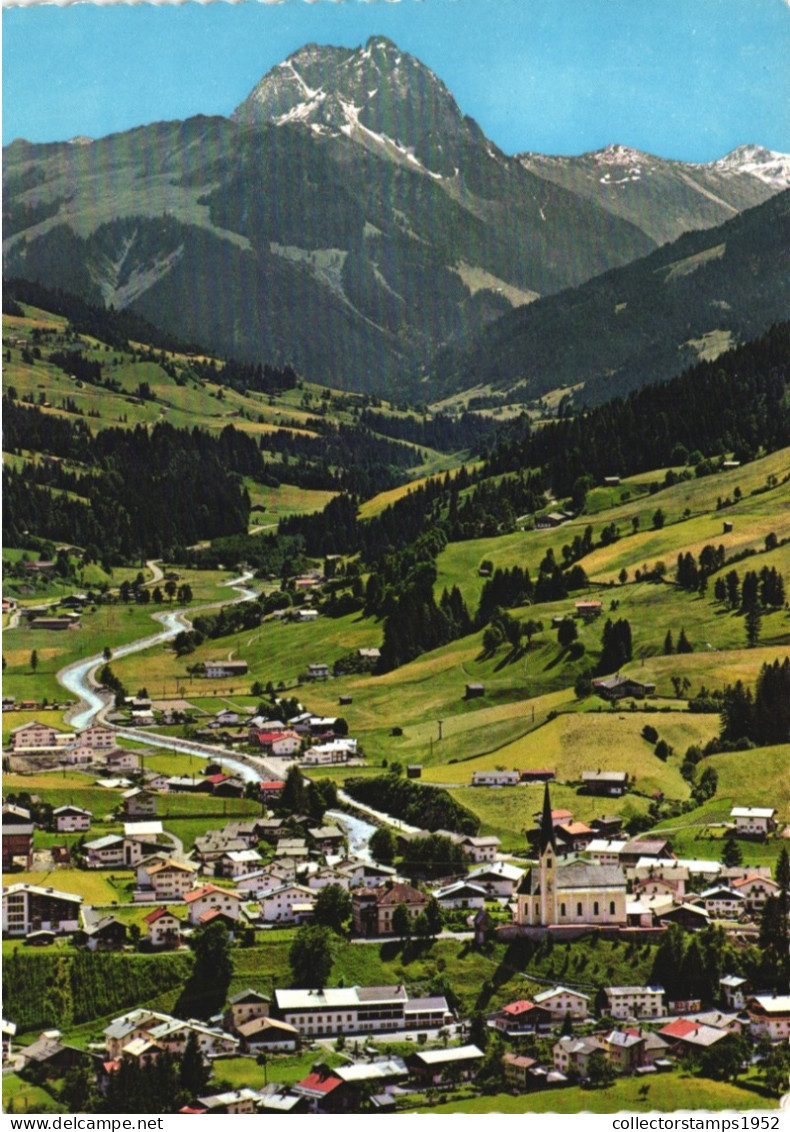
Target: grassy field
x=20, y=1097
x=671, y=1092
x=97, y=886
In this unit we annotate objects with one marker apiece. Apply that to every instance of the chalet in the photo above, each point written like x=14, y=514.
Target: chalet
x=30, y=908
x=604, y=852
x=72, y=819
x=373, y=909
x=234, y=1102
x=367, y=874
x=138, y=802
x=496, y=777
x=219, y=669
x=499, y=879
x=691, y=917
x=638, y=849
x=572, y=1055
x=435, y=1066
x=114, y=850
x=414, y=770
x=552, y=519
x=460, y=895
x=209, y=898
x=328, y=754
x=608, y=825
x=18, y=830
x=229, y=787
x=769, y=1016
x=237, y=863
x=281, y=743
x=163, y=929
x=722, y=902
x=172, y=1034
x=573, y=837
x=616, y=687
x=49, y=1057
x=559, y=1001
x=611, y=481
x=245, y=1006
x=105, y=934
x=588, y=610
x=54, y=623
x=517, y=1069
x=323, y=1091
x=286, y=904
x=170, y=880
x=129, y=1027
x=474, y=691
x=754, y=821
x=624, y=1003
x=318, y=672
x=97, y=738
x=121, y=760
x=261, y=1034
x=522, y=1017
x=481, y=849
x=623, y=1049
x=186, y=784
x=322, y=878
x=613, y=783
x=304, y=614
x=540, y=774
x=755, y=890
x=685, y=1035
x=209, y=847
x=327, y=838
x=369, y=654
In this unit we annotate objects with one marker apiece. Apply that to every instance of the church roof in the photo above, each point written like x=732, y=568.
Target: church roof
x=576, y=875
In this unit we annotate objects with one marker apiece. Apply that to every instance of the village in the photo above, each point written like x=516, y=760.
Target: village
x=290, y=863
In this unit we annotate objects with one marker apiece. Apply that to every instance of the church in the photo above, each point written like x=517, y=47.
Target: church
x=575, y=893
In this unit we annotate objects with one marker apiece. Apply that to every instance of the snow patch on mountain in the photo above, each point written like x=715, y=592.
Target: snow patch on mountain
x=766, y=164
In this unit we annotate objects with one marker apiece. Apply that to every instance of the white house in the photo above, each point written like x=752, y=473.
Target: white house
x=209, y=897
x=481, y=849
x=755, y=890
x=163, y=929
x=769, y=1016
x=635, y=1002
x=72, y=819
x=560, y=1001
x=170, y=880
x=461, y=894
x=279, y=905
x=31, y=908
x=753, y=821
x=237, y=863
x=496, y=777
x=498, y=879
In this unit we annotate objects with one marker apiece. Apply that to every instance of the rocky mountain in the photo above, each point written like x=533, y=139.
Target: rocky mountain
x=667, y=198
x=348, y=219
x=688, y=300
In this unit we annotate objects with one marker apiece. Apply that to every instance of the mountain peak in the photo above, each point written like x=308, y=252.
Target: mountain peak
x=766, y=164
x=376, y=95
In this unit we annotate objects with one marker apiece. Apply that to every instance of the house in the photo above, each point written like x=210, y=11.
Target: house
x=353, y=1010
x=538, y=774
x=367, y=874
x=262, y=1034
x=609, y=782
x=373, y=909
x=170, y=880
x=769, y=1016
x=691, y=917
x=162, y=928
x=9, y=1033
x=496, y=777
x=327, y=838
x=219, y=669
x=323, y=877
x=433, y=1066
x=245, y=1006
x=209, y=847
x=236, y=1101
x=604, y=852
x=623, y=1049
x=281, y=744
x=173, y=1035
x=138, y=802
x=521, y=1017
x=105, y=934
x=31, y=908
x=72, y=819
x=588, y=610
x=617, y=686
x=121, y=760
x=754, y=821
x=499, y=879
x=323, y=1091
x=722, y=902
x=551, y=519
x=684, y=1035
x=639, y=849
x=36, y=736
x=238, y=862
x=755, y=890
x=572, y=1055
x=734, y=990
x=556, y=894
x=130, y=1027
x=229, y=787
x=286, y=904
x=209, y=898
x=304, y=614
x=573, y=837
x=97, y=738
x=114, y=850
x=516, y=1069
x=318, y=672
x=18, y=830
x=481, y=849
x=460, y=895
x=473, y=691
x=635, y=1002
x=561, y=1001
x=49, y=1056
x=326, y=754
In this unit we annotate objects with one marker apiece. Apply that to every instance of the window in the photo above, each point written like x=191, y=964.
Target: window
x=562, y=909
x=611, y=907
x=595, y=908
x=578, y=908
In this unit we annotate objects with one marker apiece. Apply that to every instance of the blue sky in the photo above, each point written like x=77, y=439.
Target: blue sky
x=689, y=79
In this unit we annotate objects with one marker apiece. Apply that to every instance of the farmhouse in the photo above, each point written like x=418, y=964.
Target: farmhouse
x=560, y=1001
x=635, y=1002
x=613, y=783
x=753, y=821
x=138, y=803
x=617, y=686
x=496, y=777
x=163, y=929
x=588, y=609
x=522, y=1017
x=318, y=672
x=245, y=1006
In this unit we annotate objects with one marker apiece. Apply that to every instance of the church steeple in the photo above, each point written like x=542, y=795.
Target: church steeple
x=546, y=825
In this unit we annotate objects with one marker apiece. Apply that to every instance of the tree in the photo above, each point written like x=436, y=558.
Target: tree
x=433, y=914
x=478, y=1030
x=668, y=644
x=311, y=956
x=753, y=622
x=207, y=988
x=726, y=1059
x=33, y=660
x=382, y=845
x=623, y=576
x=567, y=632
x=294, y=795
x=600, y=1072
x=659, y=519
x=401, y=922
x=193, y=1072
x=731, y=854
x=684, y=644
x=332, y=907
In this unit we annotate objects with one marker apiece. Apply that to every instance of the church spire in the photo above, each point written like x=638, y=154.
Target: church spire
x=546, y=825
